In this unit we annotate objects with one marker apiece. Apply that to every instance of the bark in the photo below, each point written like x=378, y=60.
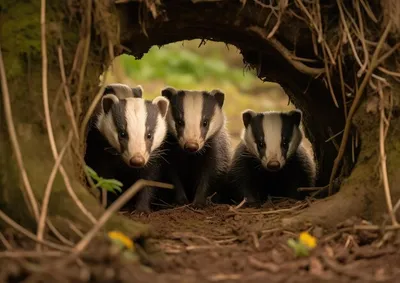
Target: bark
x=24, y=75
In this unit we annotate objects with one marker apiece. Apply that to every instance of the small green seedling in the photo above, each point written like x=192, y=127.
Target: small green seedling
x=303, y=245
x=110, y=185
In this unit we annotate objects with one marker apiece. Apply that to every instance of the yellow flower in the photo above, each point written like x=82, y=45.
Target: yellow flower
x=120, y=237
x=308, y=240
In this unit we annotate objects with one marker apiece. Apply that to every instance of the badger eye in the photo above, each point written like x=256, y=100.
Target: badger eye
x=261, y=144
x=205, y=123
x=122, y=134
x=180, y=122
x=149, y=136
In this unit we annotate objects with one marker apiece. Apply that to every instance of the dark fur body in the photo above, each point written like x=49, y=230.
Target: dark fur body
x=103, y=159
x=196, y=175
x=108, y=163
x=248, y=178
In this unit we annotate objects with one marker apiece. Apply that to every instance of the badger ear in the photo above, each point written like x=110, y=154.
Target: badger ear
x=109, y=90
x=168, y=92
x=162, y=103
x=247, y=115
x=219, y=96
x=296, y=116
x=137, y=91
x=108, y=101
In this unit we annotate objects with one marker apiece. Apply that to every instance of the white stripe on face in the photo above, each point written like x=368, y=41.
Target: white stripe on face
x=272, y=125
x=217, y=121
x=159, y=133
x=136, y=116
x=192, y=109
x=106, y=126
x=249, y=141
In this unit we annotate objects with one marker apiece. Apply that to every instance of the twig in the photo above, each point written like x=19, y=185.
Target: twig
x=30, y=235
x=30, y=254
x=374, y=63
x=240, y=204
x=383, y=156
x=5, y=242
x=68, y=104
x=48, y=189
x=342, y=269
x=390, y=73
x=269, y=266
x=14, y=140
x=47, y=114
x=92, y=108
x=340, y=67
x=328, y=76
x=58, y=234
x=353, y=48
x=78, y=94
x=320, y=37
x=286, y=54
x=334, y=136
x=277, y=211
x=114, y=207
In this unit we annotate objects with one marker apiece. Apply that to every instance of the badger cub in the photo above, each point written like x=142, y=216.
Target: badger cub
x=197, y=143
x=124, y=139
x=271, y=158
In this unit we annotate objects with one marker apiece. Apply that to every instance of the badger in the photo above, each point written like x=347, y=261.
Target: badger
x=125, y=137
x=197, y=143
x=271, y=158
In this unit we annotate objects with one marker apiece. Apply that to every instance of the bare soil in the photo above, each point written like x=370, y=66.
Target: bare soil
x=224, y=244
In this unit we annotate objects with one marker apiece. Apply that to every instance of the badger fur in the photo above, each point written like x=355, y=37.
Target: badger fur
x=198, y=145
x=271, y=158
x=125, y=137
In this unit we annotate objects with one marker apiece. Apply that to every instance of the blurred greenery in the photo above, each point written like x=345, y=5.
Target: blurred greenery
x=215, y=65
x=183, y=67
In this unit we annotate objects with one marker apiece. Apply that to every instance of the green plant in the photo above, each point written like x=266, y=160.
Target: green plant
x=110, y=185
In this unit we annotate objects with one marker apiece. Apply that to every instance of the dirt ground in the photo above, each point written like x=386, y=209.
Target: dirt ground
x=224, y=244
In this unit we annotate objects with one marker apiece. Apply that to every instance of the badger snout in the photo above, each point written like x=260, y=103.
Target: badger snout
x=137, y=161
x=191, y=146
x=273, y=165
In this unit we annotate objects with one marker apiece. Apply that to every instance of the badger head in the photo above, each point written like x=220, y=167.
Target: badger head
x=133, y=126
x=194, y=116
x=272, y=137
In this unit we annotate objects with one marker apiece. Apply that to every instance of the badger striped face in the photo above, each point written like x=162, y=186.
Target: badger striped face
x=272, y=136
x=133, y=126
x=194, y=116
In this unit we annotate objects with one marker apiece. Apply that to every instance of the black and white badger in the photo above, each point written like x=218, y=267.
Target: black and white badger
x=271, y=158
x=125, y=137
x=197, y=142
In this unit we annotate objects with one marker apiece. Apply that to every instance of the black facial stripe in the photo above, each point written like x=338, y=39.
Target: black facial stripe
x=258, y=133
x=151, y=123
x=207, y=112
x=119, y=118
x=176, y=102
x=286, y=134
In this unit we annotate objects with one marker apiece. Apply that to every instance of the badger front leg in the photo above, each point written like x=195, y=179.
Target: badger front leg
x=200, y=196
x=180, y=194
x=144, y=200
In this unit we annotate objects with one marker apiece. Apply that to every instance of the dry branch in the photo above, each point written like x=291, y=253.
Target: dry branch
x=375, y=61
x=383, y=156
x=114, y=207
x=47, y=192
x=14, y=141
x=286, y=53
x=47, y=114
x=30, y=235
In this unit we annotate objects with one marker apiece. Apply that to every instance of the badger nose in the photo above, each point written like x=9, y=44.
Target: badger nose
x=273, y=165
x=137, y=161
x=191, y=146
